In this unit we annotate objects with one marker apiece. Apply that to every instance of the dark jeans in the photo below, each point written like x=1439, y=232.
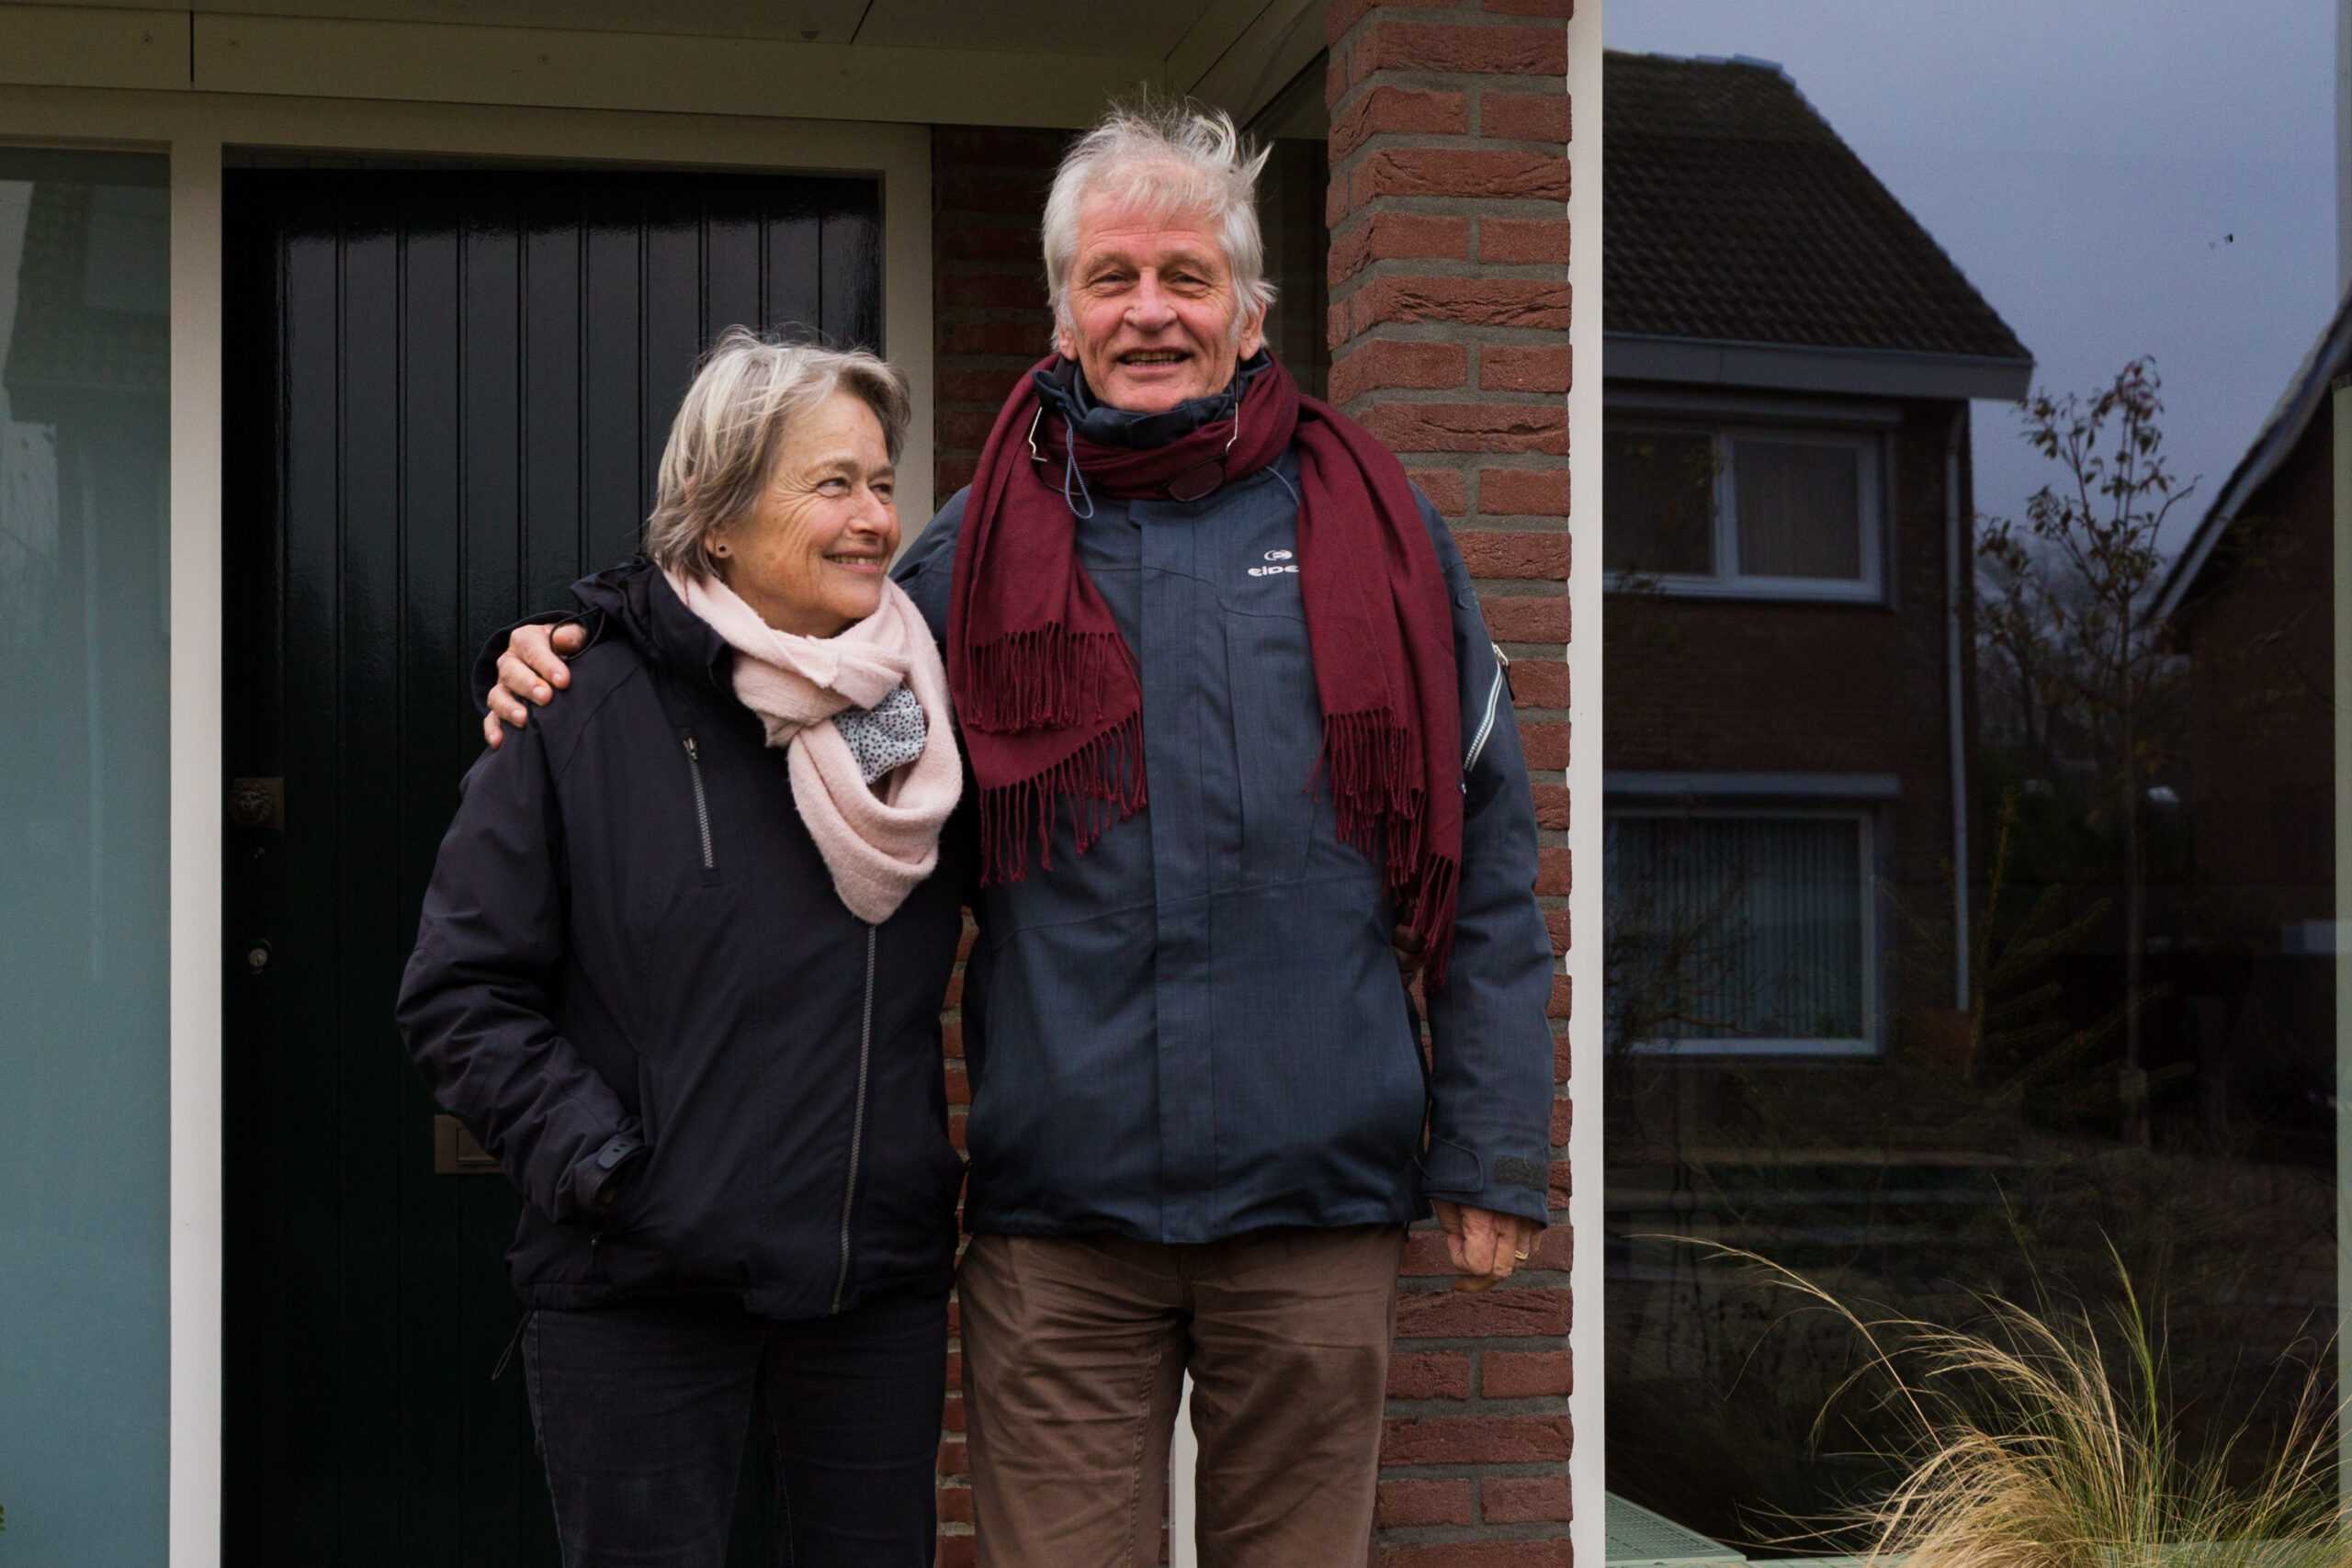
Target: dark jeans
x=642, y=1410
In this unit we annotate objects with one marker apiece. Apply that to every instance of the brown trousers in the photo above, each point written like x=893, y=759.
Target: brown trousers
x=1074, y=1354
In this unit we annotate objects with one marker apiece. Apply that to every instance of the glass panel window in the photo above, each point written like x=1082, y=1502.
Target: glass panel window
x=1659, y=490
x=1737, y=933
x=1799, y=505
x=1754, y=514
x=83, y=1060
x=1977, y=843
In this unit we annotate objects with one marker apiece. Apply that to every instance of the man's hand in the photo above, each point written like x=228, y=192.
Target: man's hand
x=529, y=668
x=1409, y=953
x=1486, y=1246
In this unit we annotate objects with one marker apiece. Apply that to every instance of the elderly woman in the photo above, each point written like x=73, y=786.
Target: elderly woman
x=680, y=971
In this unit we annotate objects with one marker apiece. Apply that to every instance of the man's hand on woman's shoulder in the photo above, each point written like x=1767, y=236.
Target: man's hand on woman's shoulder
x=532, y=669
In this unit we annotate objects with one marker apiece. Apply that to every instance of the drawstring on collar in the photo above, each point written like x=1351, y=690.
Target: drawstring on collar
x=1277, y=472
x=1071, y=475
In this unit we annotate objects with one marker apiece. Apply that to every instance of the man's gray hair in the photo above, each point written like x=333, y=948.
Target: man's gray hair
x=723, y=445
x=1163, y=160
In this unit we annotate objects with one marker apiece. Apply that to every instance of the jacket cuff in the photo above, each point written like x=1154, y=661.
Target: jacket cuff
x=597, y=1178
x=1505, y=1184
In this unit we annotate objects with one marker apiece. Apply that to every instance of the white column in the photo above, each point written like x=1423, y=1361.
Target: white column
x=1588, y=1474
x=196, y=864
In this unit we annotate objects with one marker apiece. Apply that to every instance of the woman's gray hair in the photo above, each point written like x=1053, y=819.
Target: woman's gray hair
x=723, y=444
x=1165, y=159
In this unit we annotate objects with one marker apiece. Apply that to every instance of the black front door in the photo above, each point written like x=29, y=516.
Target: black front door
x=445, y=397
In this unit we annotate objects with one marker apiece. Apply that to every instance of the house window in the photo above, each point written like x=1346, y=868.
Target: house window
x=1753, y=513
x=1741, y=932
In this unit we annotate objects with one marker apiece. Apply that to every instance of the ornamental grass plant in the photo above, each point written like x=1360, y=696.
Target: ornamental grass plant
x=2044, y=1438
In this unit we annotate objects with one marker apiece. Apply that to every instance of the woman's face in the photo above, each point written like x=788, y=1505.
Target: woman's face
x=811, y=557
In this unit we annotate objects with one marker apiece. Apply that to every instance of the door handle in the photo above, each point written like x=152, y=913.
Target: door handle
x=455, y=1152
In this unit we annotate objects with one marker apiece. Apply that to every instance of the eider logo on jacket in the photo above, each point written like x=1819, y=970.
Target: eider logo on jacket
x=1273, y=570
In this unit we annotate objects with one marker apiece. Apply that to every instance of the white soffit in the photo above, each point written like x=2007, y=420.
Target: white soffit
x=799, y=21
x=918, y=62
x=1038, y=26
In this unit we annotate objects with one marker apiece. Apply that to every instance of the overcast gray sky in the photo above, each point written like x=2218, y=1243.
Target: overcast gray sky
x=2117, y=177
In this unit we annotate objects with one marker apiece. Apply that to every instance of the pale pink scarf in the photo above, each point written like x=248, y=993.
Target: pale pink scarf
x=878, y=841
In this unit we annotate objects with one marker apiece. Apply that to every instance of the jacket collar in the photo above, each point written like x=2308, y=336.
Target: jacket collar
x=1062, y=386
x=635, y=601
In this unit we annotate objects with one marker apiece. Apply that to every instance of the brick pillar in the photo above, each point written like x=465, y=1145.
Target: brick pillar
x=989, y=324
x=1449, y=333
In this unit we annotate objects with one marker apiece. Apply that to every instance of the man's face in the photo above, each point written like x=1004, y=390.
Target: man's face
x=1151, y=309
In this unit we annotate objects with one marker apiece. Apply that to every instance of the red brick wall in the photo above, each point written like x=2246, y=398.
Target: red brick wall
x=1450, y=342
x=988, y=189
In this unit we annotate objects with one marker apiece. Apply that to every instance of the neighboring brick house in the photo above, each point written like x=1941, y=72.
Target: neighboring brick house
x=2250, y=599
x=1790, y=359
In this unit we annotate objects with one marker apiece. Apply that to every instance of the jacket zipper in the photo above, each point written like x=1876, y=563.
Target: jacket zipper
x=857, y=1126
x=702, y=804
x=1486, y=724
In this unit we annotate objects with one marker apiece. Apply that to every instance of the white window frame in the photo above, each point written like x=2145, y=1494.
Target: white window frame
x=1871, y=1040
x=1726, y=582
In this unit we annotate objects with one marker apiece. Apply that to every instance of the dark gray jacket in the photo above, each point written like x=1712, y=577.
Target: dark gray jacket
x=1197, y=1028
x=632, y=964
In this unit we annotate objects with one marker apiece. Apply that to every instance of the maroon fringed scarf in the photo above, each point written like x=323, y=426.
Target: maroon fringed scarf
x=1046, y=688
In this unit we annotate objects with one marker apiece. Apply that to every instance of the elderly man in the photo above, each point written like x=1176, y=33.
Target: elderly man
x=1240, y=739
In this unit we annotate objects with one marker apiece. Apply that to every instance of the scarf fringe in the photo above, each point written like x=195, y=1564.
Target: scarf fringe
x=1433, y=922
x=1378, y=799
x=1100, y=784
x=1051, y=678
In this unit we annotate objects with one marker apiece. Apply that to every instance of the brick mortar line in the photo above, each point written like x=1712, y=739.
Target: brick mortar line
x=1454, y=21
x=1506, y=523
x=1466, y=332
x=1518, y=462
x=1393, y=75
x=1356, y=282
x=1441, y=142
x=1454, y=266
x=1447, y=397
x=1454, y=207
x=1521, y=587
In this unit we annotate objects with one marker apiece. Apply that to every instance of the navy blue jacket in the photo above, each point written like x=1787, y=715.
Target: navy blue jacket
x=1197, y=1027
x=633, y=965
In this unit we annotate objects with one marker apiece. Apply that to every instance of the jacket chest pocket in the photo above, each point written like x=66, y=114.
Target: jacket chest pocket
x=1277, y=730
